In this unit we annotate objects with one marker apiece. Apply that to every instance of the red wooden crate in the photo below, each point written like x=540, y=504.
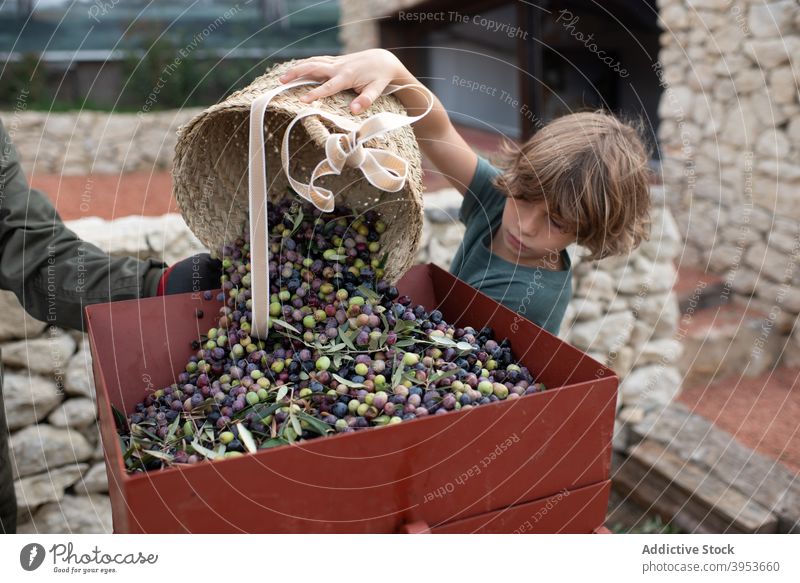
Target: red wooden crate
x=569, y=512
x=439, y=470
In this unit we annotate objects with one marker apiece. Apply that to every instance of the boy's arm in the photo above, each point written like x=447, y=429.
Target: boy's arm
x=437, y=136
x=368, y=73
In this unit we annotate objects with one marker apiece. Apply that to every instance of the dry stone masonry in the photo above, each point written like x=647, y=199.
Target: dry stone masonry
x=730, y=138
x=87, y=142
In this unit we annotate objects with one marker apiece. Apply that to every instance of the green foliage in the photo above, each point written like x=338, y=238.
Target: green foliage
x=649, y=525
x=153, y=77
x=164, y=77
x=22, y=83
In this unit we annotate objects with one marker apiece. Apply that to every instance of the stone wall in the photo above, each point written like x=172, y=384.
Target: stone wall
x=86, y=142
x=624, y=314
x=359, y=20
x=730, y=137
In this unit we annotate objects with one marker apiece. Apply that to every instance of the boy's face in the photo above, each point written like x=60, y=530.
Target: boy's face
x=530, y=232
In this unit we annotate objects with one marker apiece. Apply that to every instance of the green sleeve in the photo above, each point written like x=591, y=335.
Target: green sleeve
x=53, y=273
x=481, y=196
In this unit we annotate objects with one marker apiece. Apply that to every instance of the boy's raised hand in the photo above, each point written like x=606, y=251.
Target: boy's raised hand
x=367, y=72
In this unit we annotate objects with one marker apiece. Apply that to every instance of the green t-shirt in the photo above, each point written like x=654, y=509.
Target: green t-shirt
x=539, y=295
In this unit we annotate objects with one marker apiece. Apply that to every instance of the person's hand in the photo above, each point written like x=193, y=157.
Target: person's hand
x=194, y=274
x=367, y=72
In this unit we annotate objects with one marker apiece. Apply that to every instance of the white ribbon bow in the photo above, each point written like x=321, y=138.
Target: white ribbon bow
x=384, y=170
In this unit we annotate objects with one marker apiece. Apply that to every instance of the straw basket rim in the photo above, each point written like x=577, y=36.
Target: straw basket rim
x=210, y=166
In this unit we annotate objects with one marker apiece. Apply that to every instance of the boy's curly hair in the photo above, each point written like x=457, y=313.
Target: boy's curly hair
x=592, y=171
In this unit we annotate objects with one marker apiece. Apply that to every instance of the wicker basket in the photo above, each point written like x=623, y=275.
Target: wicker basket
x=210, y=173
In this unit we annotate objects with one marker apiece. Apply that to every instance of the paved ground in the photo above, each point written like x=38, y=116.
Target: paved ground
x=113, y=196
x=109, y=196
x=762, y=412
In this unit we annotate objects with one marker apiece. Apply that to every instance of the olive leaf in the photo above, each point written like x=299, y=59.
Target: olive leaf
x=347, y=338
x=348, y=383
x=120, y=419
x=138, y=428
x=315, y=424
x=262, y=410
x=441, y=340
x=128, y=448
x=283, y=324
x=282, y=392
x=273, y=442
x=159, y=455
x=207, y=453
x=368, y=293
x=401, y=326
x=441, y=375
x=173, y=427
x=397, y=376
x=461, y=346
x=247, y=438
x=297, y=221
x=298, y=429
x=333, y=347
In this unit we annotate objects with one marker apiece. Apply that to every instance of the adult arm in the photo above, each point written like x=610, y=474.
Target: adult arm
x=54, y=273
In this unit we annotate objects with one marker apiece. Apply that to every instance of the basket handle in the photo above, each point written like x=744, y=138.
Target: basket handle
x=384, y=170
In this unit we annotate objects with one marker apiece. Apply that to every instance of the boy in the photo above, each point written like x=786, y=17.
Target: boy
x=582, y=178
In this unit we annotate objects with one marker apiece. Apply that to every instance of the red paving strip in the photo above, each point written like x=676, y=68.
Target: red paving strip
x=761, y=412
x=109, y=196
x=112, y=196
x=725, y=315
x=691, y=279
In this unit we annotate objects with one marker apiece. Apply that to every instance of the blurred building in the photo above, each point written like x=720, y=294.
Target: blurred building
x=509, y=66
x=86, y=49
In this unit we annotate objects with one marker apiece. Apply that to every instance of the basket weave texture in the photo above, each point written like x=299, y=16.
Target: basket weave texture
x=210, y=168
